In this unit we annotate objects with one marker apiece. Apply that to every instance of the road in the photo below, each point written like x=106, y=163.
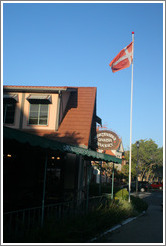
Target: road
x=145, y=229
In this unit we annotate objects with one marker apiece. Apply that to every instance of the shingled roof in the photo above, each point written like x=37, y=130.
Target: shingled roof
x=78, y=120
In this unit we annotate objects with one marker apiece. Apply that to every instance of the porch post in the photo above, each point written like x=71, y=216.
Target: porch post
x=87, y=193
x=100, y=163
x=112, y=194
x=44, y=189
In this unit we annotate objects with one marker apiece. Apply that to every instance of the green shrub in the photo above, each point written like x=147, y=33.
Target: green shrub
x=139, y=204
x=122, y=194
x=126, y=209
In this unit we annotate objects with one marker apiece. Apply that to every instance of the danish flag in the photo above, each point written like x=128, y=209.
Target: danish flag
x=123, y=59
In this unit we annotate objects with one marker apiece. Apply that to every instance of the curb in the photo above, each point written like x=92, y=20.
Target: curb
x=117, y=226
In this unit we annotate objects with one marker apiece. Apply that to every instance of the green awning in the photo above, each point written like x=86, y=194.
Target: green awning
x=45, y=143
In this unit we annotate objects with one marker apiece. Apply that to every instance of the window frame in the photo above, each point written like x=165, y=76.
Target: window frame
x=38, y=116
x=5, y=107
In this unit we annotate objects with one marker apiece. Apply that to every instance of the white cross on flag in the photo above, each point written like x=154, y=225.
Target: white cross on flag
x=123, y=59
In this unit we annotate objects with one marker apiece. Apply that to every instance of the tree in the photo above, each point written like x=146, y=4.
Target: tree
x=150, y=160
x=125, y=168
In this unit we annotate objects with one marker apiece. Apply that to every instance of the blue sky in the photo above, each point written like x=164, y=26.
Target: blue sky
x=72, y=44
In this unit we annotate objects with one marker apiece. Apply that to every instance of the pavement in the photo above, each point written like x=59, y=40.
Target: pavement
x=146, y=228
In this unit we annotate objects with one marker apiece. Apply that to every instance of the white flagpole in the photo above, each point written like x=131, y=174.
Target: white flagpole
x=131, y=119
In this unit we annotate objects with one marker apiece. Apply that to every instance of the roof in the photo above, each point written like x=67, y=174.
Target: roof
x=78, y=120
x=75, y=127
x=109, y=152
x=120, y=141
x=32, y=86
x=45, y=143
x=17, y=88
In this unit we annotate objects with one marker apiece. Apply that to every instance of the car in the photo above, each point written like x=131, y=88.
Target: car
x=143, y=186
x=157, y=185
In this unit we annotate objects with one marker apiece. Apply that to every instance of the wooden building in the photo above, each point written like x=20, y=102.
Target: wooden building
x=49, y=143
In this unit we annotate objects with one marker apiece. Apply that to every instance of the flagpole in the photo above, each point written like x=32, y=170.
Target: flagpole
x=131, y=119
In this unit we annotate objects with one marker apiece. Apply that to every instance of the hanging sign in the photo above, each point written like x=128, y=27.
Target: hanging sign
x=107, y=140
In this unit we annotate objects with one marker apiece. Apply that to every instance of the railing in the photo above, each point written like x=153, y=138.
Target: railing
x=21, y=221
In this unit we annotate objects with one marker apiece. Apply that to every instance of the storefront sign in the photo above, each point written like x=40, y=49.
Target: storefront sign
x=107, y=140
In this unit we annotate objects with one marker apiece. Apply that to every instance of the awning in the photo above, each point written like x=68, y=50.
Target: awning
x=11, y=97
x=45, y=143
x=39, y=97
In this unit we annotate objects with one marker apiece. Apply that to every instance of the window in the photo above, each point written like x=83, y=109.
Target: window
x=38, y=114
x=8, y=112
x=9, y=106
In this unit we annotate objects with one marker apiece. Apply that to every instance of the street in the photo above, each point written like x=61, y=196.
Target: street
x=147, y=228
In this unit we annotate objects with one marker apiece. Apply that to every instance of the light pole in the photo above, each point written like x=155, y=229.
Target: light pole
x=112, y=193
x=137, y=144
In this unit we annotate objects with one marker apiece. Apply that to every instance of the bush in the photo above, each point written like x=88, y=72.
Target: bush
x=139, y=204
x=122, y=194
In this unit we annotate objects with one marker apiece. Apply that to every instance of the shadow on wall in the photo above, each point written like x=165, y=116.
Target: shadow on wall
x=71, y=138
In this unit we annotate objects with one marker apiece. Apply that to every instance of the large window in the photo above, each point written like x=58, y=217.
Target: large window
x=38, y=114
x=8, y=112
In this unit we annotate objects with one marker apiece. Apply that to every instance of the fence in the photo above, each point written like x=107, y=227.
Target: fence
x=21, y=221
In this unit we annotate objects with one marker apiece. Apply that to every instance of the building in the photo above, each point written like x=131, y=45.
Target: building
x=49, y=143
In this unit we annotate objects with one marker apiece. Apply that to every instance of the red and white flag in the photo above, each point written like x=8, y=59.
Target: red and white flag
x=123, y=59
